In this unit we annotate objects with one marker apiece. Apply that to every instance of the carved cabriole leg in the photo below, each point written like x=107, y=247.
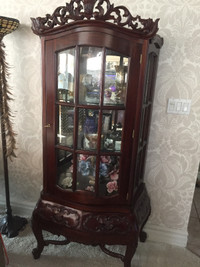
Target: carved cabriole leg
x=130, y=251
x=38, y=235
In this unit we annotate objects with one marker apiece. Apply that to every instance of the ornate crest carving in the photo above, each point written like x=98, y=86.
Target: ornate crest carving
x=79, y=10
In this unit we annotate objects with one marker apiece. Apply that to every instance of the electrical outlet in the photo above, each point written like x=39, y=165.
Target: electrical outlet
x=179, y=106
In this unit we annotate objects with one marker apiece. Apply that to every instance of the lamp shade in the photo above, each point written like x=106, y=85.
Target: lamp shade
x=8, y=25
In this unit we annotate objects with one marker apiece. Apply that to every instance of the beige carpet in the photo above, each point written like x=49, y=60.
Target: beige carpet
x=194, y=225
x=76, y=255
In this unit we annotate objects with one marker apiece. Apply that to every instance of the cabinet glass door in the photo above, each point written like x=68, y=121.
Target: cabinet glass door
x=90, y=115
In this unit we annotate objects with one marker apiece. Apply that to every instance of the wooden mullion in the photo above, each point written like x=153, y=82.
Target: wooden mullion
x=76, y=87
x=100, y=121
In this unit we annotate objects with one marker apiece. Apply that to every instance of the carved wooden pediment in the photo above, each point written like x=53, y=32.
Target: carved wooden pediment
x=98, y=10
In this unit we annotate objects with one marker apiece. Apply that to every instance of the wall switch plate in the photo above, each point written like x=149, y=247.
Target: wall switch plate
x=179, y=106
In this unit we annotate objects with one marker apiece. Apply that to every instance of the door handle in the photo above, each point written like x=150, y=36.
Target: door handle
x=133, y=134
x=47, y=125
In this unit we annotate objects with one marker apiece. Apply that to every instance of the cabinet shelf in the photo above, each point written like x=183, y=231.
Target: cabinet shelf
x=106, y=107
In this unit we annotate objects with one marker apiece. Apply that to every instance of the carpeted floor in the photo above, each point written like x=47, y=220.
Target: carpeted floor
x=194, y=224
x=148, y=254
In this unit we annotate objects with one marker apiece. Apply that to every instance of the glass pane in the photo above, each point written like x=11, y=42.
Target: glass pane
x=65, y=128
x=112, y=128
x=115, y=78
x=139, y=171
x=66, y=70
x=64, y=169
x=87, y=129
x=149, y=86
x=90, y=75
x=109, y=175
x=147, y=114
x=86, y=171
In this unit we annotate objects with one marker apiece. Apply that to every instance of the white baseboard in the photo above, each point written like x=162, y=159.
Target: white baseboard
x=166, y=235
x=155, y=233
x=21, y=209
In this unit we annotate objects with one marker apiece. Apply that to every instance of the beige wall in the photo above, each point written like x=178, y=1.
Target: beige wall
x=174, y=148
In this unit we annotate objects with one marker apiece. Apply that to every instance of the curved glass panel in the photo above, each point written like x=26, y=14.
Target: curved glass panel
x=90, y=68
x=64, y=169
x=115, y=78
x=108, y=175
x=65, y=129
x=112, y=128
x=66, y=75
x=88, y=129
x=86, y=172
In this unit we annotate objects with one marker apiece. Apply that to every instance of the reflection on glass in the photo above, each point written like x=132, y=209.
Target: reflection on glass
x=65, y=126
x=90, y=75
x=64, y=169
x=144, y=125
x=112, y=127
x=86, y=171
x=115, y=78
x=87, y=129
x=66, y=70
x=108, y=175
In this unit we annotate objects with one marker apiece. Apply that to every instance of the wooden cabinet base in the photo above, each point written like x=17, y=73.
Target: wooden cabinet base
x=92, y=228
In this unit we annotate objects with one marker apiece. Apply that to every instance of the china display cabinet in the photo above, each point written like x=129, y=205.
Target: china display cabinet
x=99, y=67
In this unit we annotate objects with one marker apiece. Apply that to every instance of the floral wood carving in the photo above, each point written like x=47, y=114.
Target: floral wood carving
x=108, y=224
x=78, y=10
x=60, y=214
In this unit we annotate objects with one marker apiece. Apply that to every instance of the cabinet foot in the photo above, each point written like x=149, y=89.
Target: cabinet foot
x=36, y=253
x=143, y=236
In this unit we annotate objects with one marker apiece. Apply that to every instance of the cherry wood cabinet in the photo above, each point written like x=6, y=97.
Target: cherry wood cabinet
x=99, y=67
